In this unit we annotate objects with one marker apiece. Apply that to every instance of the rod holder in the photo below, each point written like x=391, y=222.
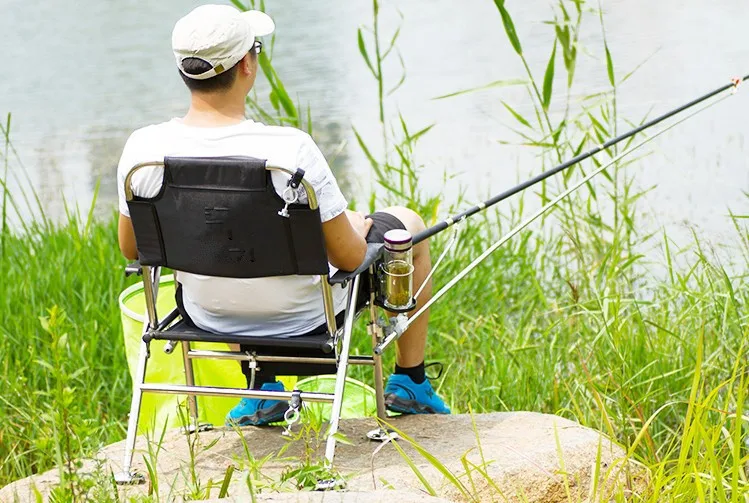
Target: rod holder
x=396, y=329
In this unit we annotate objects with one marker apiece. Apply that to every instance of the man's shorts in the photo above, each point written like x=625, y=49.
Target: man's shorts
x=382, y=222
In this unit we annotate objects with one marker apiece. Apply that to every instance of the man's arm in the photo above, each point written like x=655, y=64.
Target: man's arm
x=344, y=230
x=126, y=237
x=345, y=239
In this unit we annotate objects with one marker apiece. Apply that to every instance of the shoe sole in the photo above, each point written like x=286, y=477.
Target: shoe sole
x=394, y=403
x=262, y=417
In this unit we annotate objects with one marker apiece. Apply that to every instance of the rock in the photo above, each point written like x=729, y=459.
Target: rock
x=518, y=456
x=336, y=497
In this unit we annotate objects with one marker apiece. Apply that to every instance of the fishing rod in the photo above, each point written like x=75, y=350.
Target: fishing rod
x=441, y=226
x=401, y=323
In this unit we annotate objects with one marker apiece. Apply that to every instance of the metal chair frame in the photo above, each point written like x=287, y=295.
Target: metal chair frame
x=340, y=339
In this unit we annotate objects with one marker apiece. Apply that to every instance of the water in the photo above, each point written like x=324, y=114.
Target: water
x=80, y=76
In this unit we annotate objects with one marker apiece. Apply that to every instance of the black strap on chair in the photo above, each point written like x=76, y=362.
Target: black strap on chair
x=219, y=217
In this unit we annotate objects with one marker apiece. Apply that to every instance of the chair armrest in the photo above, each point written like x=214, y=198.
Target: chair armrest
x=374, y=251
x=133, y=268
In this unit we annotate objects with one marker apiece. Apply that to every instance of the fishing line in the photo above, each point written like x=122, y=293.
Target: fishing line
x=448, y=246
x=403, y=324
x=734, y=85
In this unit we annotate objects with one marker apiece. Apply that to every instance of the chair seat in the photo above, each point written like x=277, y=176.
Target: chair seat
x=181, y=331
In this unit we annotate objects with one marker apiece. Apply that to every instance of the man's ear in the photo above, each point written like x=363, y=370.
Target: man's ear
x=247, y=64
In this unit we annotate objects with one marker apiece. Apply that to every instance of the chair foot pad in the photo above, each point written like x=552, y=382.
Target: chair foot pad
x=381, y=435
x=330, y=484
x=193, y=428
x=129, y=478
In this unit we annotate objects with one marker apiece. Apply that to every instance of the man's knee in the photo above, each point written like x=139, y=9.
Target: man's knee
x=413, y=222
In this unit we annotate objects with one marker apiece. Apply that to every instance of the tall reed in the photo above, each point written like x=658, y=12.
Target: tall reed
x=584, y=329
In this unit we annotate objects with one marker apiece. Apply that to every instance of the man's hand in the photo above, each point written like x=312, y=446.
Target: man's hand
x=359, y=222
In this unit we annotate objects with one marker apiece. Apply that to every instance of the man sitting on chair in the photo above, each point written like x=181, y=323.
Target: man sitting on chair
x=217, y=51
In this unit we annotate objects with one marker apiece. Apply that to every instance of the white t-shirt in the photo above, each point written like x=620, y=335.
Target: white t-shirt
x=257, y=306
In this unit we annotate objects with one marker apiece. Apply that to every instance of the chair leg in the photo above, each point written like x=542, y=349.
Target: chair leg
x=126, y=476
x=377, y=360
x=379, y=434
x=192, y=400
x=342, y=372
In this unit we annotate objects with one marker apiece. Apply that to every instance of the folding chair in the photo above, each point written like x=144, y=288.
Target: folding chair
x=223, y=217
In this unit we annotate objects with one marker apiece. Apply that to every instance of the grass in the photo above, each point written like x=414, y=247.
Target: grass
x=568, y=318
x=61, y=345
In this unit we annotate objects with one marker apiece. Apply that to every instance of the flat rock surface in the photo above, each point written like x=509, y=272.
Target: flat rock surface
x=513, y=456
x=337, y=497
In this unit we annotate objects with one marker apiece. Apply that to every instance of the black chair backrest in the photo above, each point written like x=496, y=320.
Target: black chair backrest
x=218, y=216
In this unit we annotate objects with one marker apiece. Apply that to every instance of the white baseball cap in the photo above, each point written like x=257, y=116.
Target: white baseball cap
x=220, y=35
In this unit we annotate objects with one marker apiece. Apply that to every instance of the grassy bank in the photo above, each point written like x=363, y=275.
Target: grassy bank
x=64, y=372
x=660, y=367
x=568, y=318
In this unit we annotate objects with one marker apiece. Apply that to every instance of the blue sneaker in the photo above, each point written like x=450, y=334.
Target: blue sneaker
x=258, y=411
x=405, y=396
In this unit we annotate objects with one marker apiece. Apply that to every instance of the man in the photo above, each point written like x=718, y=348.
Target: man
x=216, y=51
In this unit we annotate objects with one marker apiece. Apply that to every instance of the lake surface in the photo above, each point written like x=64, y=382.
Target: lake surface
x=80, y=76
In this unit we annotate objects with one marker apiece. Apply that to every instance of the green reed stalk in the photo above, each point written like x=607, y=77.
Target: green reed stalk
x=4, y=227
x=395, y=170
x=544, y=99
x=378, y=60
x=284, y=112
